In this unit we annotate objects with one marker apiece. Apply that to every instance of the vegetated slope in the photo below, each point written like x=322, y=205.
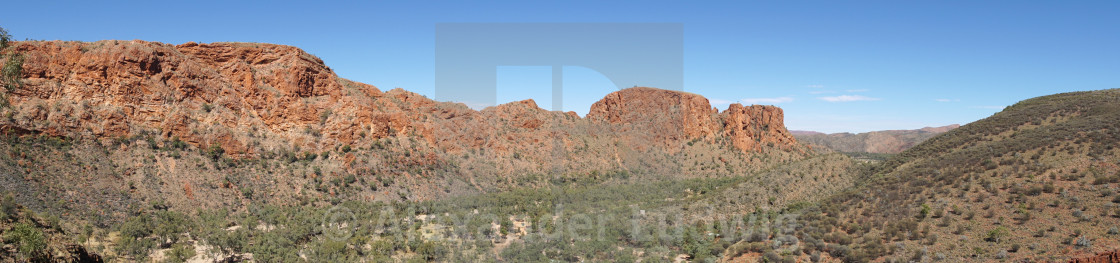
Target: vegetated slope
x=1037, y=181
x=124, y=137
x=35, y=238
x=244, y=97
x=285, y=113
x=890, y=141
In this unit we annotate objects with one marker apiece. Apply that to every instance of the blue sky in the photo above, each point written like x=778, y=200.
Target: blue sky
x=834, y=67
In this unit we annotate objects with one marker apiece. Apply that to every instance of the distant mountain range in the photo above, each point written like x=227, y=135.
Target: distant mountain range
x=889, y=141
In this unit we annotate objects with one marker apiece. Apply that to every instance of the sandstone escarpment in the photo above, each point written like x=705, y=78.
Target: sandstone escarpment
x=752, y=127
x=220, y=124
x=1105, y=257
x=685, y=116
x=689, y=112
x=206, y=94
x=250, y=98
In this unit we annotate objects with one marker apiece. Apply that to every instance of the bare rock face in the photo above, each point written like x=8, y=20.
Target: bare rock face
x=690, y=112
x=749, y=128
x=271, y=102
x=249, y=98
x=1105, y=257
x=666, y=117
x=686, y=116
x=205, y=94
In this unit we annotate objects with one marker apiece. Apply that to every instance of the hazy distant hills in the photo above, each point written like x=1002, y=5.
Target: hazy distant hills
x=890, y=141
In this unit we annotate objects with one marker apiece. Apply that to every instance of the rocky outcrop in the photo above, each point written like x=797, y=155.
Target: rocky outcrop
x=686, y=116
x=249, y=98
x=749, y=128
x=691, y=113
x=1105, y=257
x=205, y=94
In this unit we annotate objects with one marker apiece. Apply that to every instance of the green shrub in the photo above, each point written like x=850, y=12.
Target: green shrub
x=1106, y=180
x=1034, y=190
x=323, y=116
x=924, y=212
x=29, y=240
x=176, y=143
x=8, y=207
x=215, y=151
x=13, y=68
x=431, y=252
x=997, y=234
x=505, y=226
x=179, y=253
x=5, y=38
x=140, y=234
x=1048, y=188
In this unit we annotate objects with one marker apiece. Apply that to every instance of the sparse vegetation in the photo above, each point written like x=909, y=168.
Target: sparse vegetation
x=28, y=239
x=1041, y=172
x=5, y=38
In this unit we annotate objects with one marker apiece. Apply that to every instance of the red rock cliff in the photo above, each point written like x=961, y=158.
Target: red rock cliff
x=1106, y=257
x=206, y=94
x=249, y=97
x=750, y=128
x=686, y=116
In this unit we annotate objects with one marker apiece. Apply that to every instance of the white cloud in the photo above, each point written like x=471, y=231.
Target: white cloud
x=858, y=90
x=815, y=86
x=815, y=92
x=847, y=98
x=766, y=100
x=719, y=101
x=947, y=100
x=989, y=107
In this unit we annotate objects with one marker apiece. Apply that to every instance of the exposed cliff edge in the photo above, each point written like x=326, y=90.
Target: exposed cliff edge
x=247, y=98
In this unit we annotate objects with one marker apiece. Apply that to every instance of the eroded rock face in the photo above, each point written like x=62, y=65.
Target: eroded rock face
x=686, y=116
x=752, y=127
x=633, y=106
x=1105, y=257
x=205, y=94
x=249, y=97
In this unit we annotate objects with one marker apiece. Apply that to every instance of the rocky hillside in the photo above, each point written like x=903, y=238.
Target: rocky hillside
x=107, y=134
x=192, y=124
x=1035, y=182
x=249, y=98
x=34, y=238
x=890, y=141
